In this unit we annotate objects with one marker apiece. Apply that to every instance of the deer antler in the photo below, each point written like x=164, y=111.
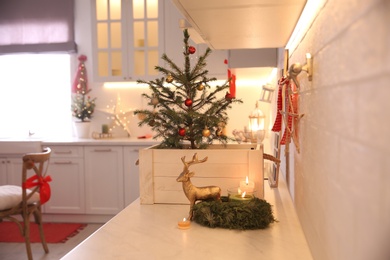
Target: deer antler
x=194, y=160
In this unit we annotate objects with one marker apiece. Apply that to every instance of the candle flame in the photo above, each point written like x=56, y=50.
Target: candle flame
x=184, y=219
x=243, y=194
x=247, y=180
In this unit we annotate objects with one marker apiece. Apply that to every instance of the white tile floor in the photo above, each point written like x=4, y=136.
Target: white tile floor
x=16, y=251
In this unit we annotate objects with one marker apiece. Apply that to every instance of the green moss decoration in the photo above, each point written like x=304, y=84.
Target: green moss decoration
x=255, y=214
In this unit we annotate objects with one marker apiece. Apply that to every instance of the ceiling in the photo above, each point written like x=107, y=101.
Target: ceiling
x=242, y=24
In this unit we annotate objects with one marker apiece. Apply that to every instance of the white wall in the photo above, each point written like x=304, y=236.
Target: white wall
x=341, y=177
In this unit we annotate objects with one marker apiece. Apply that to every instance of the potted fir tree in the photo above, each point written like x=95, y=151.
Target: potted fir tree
x=187, y=114
x=82, y=104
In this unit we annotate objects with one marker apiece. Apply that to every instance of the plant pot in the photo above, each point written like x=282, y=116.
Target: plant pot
x=226, y=167
x=82, y=129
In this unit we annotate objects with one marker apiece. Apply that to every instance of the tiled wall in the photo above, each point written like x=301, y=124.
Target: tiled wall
x=341, y=177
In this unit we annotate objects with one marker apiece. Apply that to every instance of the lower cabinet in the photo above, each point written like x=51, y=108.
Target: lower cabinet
x=3, y=171
x=67, y=186
x=89, y=182
x=104, y=179
x=11, y=171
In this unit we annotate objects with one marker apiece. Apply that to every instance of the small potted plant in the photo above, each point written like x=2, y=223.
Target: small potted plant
x=83, y=105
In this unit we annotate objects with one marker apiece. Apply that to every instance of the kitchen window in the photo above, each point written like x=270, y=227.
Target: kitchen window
x=35, y=95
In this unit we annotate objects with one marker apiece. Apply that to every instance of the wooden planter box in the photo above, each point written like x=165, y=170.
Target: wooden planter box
x=226, y=167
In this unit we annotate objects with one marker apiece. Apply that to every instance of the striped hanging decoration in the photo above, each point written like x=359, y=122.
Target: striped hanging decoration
x=278, y=121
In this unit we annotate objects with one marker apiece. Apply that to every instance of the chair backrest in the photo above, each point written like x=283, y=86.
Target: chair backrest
x=39, y=163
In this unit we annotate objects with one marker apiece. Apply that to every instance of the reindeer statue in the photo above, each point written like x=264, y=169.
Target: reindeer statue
x=192, y=192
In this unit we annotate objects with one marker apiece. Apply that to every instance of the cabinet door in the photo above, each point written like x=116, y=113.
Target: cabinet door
x=3, y=171
x=14, y=171
x=128, y=39
x=131, y=173
x=215, y=62
x=104, y=179
x=174, y=45
x=67, y=186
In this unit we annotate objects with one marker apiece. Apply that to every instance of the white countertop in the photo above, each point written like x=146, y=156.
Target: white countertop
x=108, y=141
x=78, y=141
x=151, y=232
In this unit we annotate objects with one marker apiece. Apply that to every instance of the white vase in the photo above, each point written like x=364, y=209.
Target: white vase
x=82, y=129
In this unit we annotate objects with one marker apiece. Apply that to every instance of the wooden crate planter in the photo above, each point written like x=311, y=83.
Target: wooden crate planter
x=226, y=167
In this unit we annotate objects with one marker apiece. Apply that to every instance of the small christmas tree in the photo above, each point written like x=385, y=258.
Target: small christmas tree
x=187, y=109
x=82, y=105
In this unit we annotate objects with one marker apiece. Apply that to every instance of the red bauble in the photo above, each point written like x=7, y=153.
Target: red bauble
x=182, y=132
x=191, y=50
x=188, y=102
x=228, y=96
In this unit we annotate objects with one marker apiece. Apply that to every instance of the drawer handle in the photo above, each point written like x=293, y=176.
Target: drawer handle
x=63, y=152
x=68, y=162
x=102, y=150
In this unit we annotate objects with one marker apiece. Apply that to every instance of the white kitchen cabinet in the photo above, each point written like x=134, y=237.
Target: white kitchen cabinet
x=127, y=39
x=131, y=173
x=174, y=45
x=3, y=171
x=66, y=169
x=104, y=179
x=11, y=170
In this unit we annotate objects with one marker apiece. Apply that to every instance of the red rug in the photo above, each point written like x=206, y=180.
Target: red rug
x=54, y=232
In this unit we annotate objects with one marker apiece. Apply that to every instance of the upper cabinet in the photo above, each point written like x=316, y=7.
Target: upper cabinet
x=128, y=39
x=174, y=22
x=244, y=24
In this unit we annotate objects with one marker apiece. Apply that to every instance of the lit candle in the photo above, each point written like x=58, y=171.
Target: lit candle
x=248, y=186
x=244, y=197
x=184, y=224
x=235, y=194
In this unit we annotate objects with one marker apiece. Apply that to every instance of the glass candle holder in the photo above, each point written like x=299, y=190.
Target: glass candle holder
x=235, y=194
x=184, y=223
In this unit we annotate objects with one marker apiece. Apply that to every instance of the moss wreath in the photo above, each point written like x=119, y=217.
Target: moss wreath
x=254, y=214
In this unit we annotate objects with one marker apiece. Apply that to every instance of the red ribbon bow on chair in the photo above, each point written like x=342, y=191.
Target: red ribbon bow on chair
x=44, y=187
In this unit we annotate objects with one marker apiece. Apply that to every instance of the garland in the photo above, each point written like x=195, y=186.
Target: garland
x=255, y=214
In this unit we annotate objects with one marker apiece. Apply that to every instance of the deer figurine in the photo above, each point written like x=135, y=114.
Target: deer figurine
x=192, y=192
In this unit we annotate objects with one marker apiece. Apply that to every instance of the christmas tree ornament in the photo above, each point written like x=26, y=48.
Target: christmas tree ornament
x=154, y=101
x=219, y=132
x=169, y=78
x=152, y=122
x=206, y=132
x=228, y=96
x=141, y=116
x=188, y=102
x=200, y=86
x=182, y=132
x=191, y=50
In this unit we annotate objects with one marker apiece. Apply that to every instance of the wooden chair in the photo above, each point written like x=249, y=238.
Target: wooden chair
x=26, y=200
